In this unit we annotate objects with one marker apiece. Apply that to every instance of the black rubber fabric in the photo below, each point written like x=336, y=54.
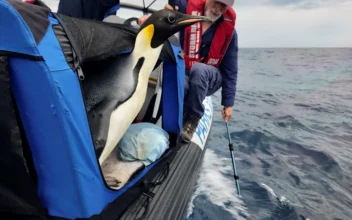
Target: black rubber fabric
x=173, y=195
x=97, y=41
x=18, y=194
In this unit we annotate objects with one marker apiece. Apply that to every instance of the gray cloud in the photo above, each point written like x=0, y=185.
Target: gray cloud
x=294, y=4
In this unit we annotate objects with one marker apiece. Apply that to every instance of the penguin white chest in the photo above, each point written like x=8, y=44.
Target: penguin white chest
x=122, y=117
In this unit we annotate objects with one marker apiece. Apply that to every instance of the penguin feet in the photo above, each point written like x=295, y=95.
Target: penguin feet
x=112, y=181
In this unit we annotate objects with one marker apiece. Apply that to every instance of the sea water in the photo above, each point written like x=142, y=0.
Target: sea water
x=292, y=132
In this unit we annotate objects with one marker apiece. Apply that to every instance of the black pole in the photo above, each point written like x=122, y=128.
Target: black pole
x=233, y=161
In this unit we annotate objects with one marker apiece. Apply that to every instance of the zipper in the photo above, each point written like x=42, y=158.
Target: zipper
x=77, y=67
x=80, y=73
x=81, y=77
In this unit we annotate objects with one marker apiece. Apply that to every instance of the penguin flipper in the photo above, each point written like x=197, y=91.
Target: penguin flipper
x=99, y=121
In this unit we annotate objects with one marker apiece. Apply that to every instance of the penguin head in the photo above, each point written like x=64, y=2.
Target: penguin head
x=164, y=23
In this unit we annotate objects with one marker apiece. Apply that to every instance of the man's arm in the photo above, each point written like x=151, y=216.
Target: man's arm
x=181, y=4
x=229, y=69
x=90, y=9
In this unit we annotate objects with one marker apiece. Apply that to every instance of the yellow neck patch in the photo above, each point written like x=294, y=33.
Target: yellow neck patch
x=148, y=32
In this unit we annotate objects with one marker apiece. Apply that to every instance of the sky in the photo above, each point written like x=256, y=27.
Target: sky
x=284, y=23
x=294, y=23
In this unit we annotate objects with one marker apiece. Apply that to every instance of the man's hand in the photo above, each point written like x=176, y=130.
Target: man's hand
x=226, y=113
x=167, y=6
x=142, y=19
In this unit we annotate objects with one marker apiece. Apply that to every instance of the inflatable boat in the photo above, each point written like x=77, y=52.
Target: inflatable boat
x=49, y=168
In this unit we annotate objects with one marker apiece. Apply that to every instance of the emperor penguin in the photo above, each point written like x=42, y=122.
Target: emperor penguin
x=115, y=97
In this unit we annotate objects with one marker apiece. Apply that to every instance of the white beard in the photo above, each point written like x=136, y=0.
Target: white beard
x=209, y=14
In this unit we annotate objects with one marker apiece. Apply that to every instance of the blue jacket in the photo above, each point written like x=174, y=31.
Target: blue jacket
x=228, y=66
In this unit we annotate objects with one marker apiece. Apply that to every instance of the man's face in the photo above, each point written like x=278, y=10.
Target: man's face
x=214, y=9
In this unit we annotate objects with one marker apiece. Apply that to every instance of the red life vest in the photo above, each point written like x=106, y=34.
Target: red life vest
x=29, y=1
x=193, y=36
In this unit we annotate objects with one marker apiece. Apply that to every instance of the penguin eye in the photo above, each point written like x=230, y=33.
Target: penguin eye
x=171, y=18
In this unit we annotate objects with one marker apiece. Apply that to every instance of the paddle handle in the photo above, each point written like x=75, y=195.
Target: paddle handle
x=233, y=161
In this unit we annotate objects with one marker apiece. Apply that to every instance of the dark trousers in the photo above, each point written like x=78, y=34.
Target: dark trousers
x=202, y=80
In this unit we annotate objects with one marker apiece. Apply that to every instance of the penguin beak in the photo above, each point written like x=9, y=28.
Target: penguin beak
x=187, y=20
x=167, y=22
x=184, y=21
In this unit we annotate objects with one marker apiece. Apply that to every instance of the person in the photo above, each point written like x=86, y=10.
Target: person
x=210, y=65
x=88, y=9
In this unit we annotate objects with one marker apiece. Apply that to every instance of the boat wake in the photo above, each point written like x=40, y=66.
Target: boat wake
x=216, y=189
x=283, y=202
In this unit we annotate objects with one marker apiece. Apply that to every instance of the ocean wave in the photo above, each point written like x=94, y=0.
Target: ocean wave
x=343, y=125
x=270, y=102
x=250, y=142
x=289, y=121
x=314, y=107
x=264, y=203
x=214, y=185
